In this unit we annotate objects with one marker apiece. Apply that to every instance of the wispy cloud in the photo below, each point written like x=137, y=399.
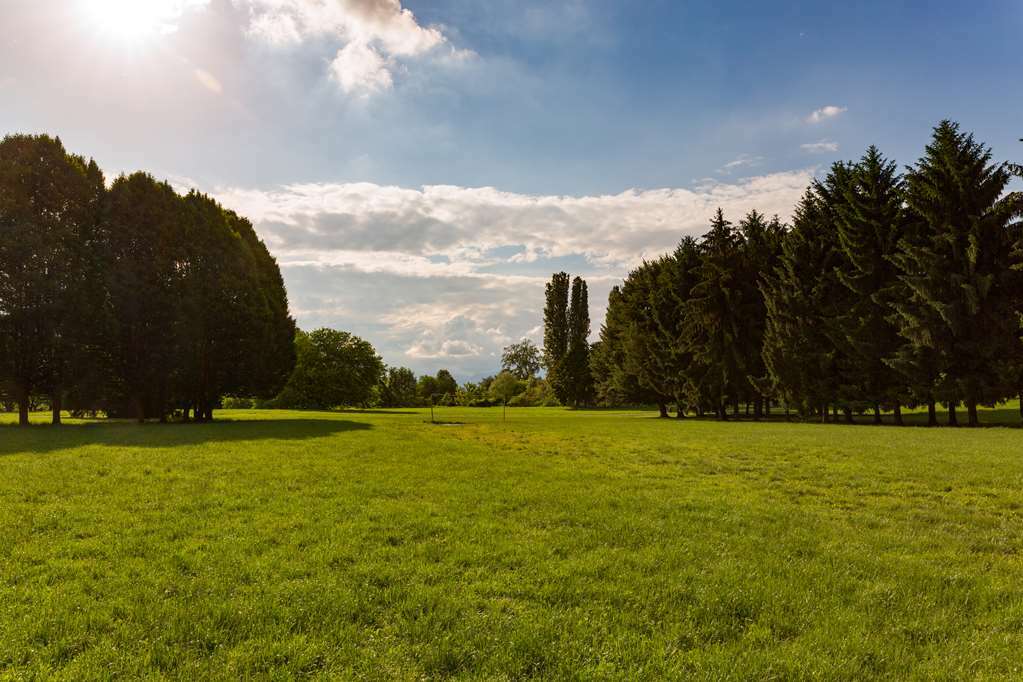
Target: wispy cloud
x=821, y=147
x=825, y=113
x=743, y=161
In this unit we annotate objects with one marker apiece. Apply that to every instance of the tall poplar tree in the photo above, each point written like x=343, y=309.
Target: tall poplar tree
x=574, y=375
x=555, y=329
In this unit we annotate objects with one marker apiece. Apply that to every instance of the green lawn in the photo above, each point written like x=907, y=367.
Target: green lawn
x=591, y=544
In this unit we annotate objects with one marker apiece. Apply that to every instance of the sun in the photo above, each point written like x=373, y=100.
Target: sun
x=133, y=20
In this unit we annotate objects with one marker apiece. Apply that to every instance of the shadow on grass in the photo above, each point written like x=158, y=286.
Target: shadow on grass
x=43, y=438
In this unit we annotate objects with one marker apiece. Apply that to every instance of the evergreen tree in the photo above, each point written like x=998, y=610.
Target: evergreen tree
x=714, y=317
x=760, y=250
x=871, y=224
x=958, y=316
x=798, y=353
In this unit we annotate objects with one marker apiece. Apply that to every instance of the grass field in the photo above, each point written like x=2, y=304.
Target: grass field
x=591, y=544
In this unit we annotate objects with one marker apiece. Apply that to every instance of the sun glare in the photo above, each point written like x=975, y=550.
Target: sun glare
x=133, y=20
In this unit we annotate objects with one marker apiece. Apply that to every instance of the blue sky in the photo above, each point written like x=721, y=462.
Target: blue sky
x=420, y=167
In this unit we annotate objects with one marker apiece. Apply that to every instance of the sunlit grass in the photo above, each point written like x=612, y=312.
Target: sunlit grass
x=595, y=544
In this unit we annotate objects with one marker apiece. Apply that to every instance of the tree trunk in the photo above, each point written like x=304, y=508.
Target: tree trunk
x=971, y=408
x=55, y=407
x=663, y=409
x=897, y=413
x=140, y=409
x=877, y=414
x=680, y=412
x=932, y=413
x=824, y=413
x=735, y=408
x=1021, y=404
x=847, y=411
x=23, y=398
x=758, y=409
x=953, y=419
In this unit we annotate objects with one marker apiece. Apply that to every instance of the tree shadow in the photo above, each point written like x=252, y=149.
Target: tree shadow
x=44, y=438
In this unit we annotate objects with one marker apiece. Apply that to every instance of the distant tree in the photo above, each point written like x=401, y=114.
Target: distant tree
x=427, y=389
x=334, y=369
x=521, y=359
x=398, y=387
x=506, y=386
x=447, y=387
x=959, y=314
x=555, y=328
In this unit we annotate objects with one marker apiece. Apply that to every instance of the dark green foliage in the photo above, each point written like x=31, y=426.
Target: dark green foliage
x=871, y=224
x=574, y=382
x=555, y=328
x=333, y=369
x=49, y=209
x=522, y=359
x=144, y=243
x=959, y=314
x=714, y=318
x=799, y=296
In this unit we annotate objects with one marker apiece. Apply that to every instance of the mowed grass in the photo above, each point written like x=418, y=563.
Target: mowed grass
x=558, y=544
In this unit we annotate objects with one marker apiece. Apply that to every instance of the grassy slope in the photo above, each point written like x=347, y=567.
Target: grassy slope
x=590, y=544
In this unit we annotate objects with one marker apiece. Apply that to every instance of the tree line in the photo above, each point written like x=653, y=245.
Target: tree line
x=888, y=290
x=130, y=299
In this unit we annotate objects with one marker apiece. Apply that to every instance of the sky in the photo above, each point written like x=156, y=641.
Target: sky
x=419, y=169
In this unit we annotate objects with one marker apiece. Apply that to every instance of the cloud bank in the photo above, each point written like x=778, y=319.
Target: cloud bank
x=446, y=276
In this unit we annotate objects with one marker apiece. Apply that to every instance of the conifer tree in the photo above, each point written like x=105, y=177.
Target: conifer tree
x=959, y=311
x=798, y=354
x=713, y=320
x=871, y=224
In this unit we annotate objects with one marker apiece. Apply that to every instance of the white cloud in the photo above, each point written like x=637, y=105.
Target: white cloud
x=373, y=34
x=825, y=113
x=358, y=68
x=821, y=147
x=446, y=276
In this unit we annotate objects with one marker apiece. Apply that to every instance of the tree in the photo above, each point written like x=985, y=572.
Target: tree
x=555, y=327
x=714, y=320
x=574, y=380
x=959, y=317
x=48, y=215
x=333, y=369
x=143, y=245
x=521, y=359
x=506, y=386
x=398, y=387
x=871, y=223
x=427, y=389
x=799, y=296
x=447, y=387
